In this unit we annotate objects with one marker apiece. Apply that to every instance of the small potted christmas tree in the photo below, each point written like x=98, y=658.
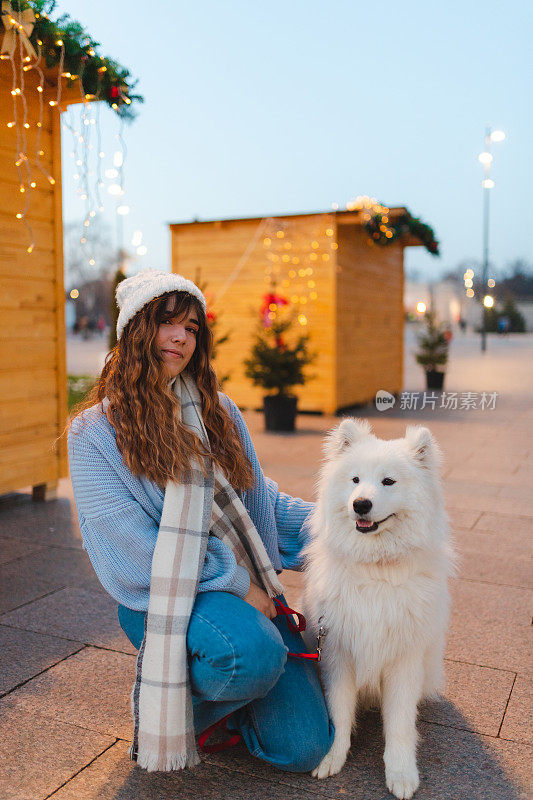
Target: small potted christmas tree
x=275, y=364
x=433, y=351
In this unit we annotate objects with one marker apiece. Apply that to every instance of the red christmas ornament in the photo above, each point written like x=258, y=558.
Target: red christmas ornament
x=211, y=316
x=113, y=92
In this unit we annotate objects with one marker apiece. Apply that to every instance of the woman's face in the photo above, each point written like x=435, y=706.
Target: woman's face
x=176, y=339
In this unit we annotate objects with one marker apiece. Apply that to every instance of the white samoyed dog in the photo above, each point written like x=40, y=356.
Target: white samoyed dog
x=376, y=578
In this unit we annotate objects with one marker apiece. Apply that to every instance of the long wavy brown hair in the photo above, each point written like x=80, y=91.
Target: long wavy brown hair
x=142, y=405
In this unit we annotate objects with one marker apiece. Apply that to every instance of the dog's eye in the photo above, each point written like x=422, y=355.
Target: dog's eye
x=356, y=479
x=387, y=481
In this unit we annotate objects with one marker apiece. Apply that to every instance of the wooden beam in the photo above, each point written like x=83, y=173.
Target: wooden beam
x=61, y=336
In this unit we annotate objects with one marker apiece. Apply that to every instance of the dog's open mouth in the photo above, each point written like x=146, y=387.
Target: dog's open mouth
x=367, y=525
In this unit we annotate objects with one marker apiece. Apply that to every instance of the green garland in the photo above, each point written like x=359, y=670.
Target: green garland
x=403, y=226
x=102, y=78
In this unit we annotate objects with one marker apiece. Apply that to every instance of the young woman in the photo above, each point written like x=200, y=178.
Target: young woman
x=187, y=534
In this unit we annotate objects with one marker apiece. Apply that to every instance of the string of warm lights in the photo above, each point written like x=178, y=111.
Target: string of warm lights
x=21, y=26
x=20, y=121
x=468, y=278
x=293, y=260
x=40, y=89
x=383, y=231
x=372, y=211
x=25, y=34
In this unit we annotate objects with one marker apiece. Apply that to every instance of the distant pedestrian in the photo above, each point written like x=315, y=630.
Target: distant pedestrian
x=100, y=324
x=187, y=534
x=504, y=324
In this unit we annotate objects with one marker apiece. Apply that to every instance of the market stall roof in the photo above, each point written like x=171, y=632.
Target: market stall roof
x=61, y=50
x=414, y=232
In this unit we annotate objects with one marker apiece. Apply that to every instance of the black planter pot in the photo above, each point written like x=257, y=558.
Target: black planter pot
x=280, y=412
x=434, y=379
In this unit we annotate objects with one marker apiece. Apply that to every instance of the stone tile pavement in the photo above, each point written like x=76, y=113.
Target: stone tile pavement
x=67, y=668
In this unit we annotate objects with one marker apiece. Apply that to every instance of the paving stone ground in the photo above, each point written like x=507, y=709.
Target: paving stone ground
x=67, y=668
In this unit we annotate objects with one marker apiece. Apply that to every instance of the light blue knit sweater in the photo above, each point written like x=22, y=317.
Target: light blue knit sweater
x=119, y=515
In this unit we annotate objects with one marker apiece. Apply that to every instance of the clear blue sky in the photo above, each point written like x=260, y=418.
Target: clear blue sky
x=262, y=108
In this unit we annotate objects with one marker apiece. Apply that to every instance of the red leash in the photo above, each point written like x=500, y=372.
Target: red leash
x=222, y=723
x=301, y=626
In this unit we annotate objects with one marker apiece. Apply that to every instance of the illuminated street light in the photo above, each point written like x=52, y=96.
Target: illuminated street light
x=488, y=301
x=421, y=307
x=486, y=158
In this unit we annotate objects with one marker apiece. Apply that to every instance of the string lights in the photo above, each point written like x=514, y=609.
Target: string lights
x=16, y=38
x=295, y=257
x=88, y=159
x=375, y=215
x=26, y=36
x=383, y=231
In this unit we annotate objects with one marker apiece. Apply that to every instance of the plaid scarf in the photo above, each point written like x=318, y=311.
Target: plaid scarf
x=161, y=698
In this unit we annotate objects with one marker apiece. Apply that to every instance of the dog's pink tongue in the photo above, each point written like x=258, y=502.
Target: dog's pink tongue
x=365, y=523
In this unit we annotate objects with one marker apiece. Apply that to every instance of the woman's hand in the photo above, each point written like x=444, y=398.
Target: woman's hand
x=260, y=600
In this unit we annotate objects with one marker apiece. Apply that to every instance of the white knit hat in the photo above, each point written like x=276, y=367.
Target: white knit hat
x=133, y=293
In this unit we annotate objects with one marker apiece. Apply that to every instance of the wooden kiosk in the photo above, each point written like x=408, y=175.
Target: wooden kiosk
x=353, y=311
x=33, y=400
x=45, y=66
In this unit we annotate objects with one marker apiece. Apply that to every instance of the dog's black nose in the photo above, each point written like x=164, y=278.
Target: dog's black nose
x=362, y=506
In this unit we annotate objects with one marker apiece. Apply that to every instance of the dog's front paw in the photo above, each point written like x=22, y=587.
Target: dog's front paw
x=332, y=763
x=402, y=783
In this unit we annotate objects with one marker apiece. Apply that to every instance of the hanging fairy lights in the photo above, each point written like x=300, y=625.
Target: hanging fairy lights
x=382, y=231
x=17, y=38
x=136, y=240
x=26, y=35
x=99, y=184
x=90, y=171
x=18, y=26
x=295, y=257
x=375, y=215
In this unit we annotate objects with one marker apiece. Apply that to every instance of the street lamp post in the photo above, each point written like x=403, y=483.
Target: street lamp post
x=486, y=158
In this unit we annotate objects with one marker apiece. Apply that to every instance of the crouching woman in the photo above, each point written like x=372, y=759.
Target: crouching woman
x=187, y=534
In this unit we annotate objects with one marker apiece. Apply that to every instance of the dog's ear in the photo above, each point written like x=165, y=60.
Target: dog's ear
x=423, y=446
x=347, y=433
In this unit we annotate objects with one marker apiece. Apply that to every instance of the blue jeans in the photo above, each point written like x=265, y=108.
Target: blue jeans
x=238, y=663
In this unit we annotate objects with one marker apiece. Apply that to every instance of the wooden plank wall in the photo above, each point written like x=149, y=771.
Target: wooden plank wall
x=216, y=248
x=32, y=333
x=369, y=316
